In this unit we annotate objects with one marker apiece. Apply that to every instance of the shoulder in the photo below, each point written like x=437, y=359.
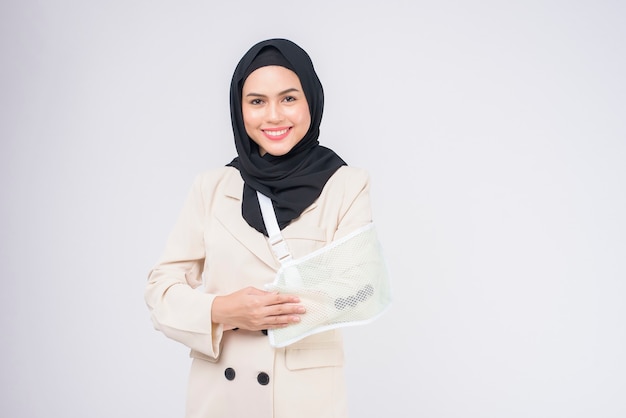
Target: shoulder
x=213, y=178
x=348, y=170
x=346, y=184
x=349, y=177
x=222, y=181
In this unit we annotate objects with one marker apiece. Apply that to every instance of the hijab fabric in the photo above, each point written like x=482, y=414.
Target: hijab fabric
x=295, y=180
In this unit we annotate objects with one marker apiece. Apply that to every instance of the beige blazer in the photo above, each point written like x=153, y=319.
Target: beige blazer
x=212, y=251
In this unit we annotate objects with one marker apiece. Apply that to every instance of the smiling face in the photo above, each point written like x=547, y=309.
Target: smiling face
x=275, y=111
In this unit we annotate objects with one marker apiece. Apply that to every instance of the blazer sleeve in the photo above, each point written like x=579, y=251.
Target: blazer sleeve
x=356, y=210
x=176, y=308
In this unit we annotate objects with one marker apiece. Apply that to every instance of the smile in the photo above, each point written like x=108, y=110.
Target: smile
x=276, y=134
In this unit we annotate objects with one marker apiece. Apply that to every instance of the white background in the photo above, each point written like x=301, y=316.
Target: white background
x=495, y=136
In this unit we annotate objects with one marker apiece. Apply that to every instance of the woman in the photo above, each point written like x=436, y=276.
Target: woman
x=276, y=110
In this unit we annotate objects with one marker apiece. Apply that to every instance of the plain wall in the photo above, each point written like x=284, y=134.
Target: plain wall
x=495, y=136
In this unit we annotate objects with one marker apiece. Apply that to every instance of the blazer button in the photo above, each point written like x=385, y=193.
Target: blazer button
x=263, y=378
x=229, y=373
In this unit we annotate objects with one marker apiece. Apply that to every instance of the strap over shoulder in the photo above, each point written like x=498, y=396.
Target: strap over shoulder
x=275, y=238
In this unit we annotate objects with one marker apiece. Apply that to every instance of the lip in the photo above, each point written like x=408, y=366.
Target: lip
x=276, y=134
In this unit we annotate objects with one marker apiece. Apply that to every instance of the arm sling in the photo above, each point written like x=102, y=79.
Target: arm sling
x=343, y=283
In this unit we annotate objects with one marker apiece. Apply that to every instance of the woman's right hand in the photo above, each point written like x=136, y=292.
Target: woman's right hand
x=254, y=309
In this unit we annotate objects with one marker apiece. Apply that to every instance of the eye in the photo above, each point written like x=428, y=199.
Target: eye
x=256, y=101
x=289, y=99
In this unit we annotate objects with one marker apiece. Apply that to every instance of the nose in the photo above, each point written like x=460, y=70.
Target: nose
x=274, y=113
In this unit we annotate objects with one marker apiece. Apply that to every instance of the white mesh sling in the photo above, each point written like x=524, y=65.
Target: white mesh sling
x=344, y=283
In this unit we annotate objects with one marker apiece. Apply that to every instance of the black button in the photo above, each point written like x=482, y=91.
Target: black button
x=263, y=378
x=229, y=373
x=264, y=331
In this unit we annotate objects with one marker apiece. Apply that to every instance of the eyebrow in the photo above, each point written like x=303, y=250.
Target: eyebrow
x=289, y=90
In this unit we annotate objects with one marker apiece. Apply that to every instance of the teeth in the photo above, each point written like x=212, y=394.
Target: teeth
x=277, y=133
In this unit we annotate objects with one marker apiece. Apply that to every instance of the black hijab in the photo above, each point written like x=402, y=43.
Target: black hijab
x=295, y=180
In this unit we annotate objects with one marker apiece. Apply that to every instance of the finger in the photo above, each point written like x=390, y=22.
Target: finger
x=279, y=298
x=283, y=321
x=283, y=309
x=289, y=309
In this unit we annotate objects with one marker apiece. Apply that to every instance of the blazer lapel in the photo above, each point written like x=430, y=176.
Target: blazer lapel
x=229, y=215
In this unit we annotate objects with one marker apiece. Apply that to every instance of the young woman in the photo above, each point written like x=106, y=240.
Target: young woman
x=276, y=104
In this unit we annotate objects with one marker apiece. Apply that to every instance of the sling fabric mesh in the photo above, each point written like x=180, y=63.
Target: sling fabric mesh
x=342, y=284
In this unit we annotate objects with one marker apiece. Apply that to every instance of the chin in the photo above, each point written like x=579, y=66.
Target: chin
x=278, y=152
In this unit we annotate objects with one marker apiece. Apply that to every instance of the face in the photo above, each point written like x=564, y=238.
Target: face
x=275, y=111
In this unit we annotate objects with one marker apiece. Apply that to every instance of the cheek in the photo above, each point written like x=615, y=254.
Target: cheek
x=246, y=114
x=303, y=117
x=249, y=123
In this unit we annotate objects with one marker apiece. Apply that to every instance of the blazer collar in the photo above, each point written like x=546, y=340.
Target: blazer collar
x=229, y=215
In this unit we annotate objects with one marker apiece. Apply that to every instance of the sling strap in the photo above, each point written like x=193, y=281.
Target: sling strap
x=275, y=238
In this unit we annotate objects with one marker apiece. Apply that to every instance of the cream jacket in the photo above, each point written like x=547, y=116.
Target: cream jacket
x=213, y=251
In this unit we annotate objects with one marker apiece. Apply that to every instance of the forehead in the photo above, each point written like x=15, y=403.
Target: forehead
x=272, y=77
